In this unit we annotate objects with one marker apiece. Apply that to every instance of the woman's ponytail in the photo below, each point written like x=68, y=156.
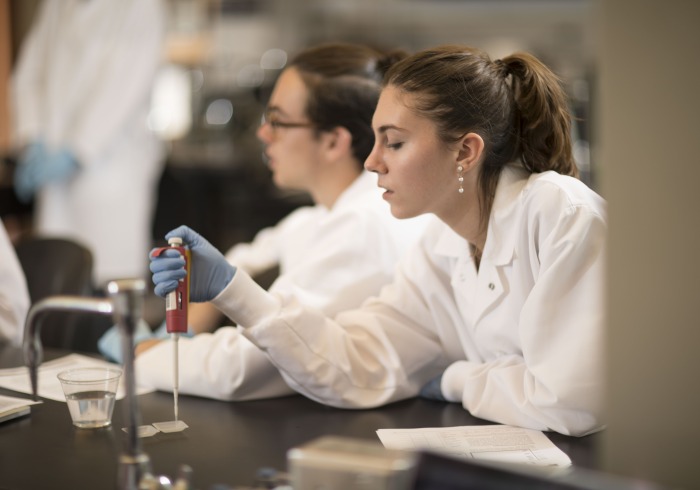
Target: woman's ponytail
x=542, y=120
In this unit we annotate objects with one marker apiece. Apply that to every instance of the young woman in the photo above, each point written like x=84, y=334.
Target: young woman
x=500, y=305
x=317, y=133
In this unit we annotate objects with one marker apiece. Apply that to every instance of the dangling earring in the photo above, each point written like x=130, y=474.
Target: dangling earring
x=460, y=178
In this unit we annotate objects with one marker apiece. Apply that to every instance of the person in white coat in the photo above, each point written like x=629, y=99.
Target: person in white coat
x=333, y=255
x=14, y=295
x=500, y=305
x=80, y=96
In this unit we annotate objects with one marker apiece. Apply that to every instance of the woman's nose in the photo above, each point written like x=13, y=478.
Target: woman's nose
x=373, y=162
x=264, y=132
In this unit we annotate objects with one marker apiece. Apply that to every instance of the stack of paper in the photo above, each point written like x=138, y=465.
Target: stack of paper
x=501, y=443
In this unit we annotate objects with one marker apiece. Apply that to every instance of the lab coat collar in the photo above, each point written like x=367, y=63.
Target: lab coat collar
x=501, y=235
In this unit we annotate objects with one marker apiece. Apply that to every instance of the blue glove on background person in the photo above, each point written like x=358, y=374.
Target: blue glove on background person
x=38, y=166
x=110, y=344
x=210, y=273
x=432, y=390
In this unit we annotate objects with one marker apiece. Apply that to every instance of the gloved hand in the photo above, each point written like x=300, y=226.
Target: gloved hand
x=432, y=390
x=110, y=344
x=39, y=166
x=210, y=272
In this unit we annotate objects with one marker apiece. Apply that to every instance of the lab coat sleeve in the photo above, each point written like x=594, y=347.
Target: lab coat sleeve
x=256, y=256
x=264, y=251
x=14, y=296
x=223, y=365
x=349, y=259
x=363, y=358
x=555, y=383
x=127, y=80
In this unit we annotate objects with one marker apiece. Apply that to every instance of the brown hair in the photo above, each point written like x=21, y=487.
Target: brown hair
x=344, y=81
x=516, y=105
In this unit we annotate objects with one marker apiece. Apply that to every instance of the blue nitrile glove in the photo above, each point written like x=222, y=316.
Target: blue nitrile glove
x=432, y=390
x=29, y=160
x=39, y=166
x=110, y=344
x=210, y=273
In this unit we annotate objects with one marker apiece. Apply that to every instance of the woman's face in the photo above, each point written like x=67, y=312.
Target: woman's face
x=290, y=144
x=417, y=169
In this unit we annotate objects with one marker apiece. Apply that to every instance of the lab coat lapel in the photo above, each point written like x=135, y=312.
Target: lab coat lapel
x=490, y=288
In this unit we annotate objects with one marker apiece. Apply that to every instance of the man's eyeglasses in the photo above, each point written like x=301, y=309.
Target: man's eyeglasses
x=273, y=120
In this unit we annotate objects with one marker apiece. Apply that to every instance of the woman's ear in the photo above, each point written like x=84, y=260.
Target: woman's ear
x=470, y=151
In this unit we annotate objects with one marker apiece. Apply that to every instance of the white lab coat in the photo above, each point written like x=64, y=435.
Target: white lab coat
x=520, y=341
x=331, y=259
x=83, y=82
x=14, y=296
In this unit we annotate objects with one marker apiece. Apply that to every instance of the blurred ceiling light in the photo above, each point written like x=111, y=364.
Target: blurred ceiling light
x=170, y=115
x=250, y=76
x=273, y=59
x=219, y=112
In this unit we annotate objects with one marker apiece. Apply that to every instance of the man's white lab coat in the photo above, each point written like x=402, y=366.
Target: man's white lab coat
x=14, y=296
x=331, y=259
x=83, y=82
x=520, y=341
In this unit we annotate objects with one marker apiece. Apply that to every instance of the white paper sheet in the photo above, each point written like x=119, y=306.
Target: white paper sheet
x=500, y=443
x=17, y=379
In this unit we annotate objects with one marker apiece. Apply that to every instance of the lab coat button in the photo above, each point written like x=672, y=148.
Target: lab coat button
x=491, y=286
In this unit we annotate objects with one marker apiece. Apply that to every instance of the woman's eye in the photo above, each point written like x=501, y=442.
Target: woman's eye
x=394, y=146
